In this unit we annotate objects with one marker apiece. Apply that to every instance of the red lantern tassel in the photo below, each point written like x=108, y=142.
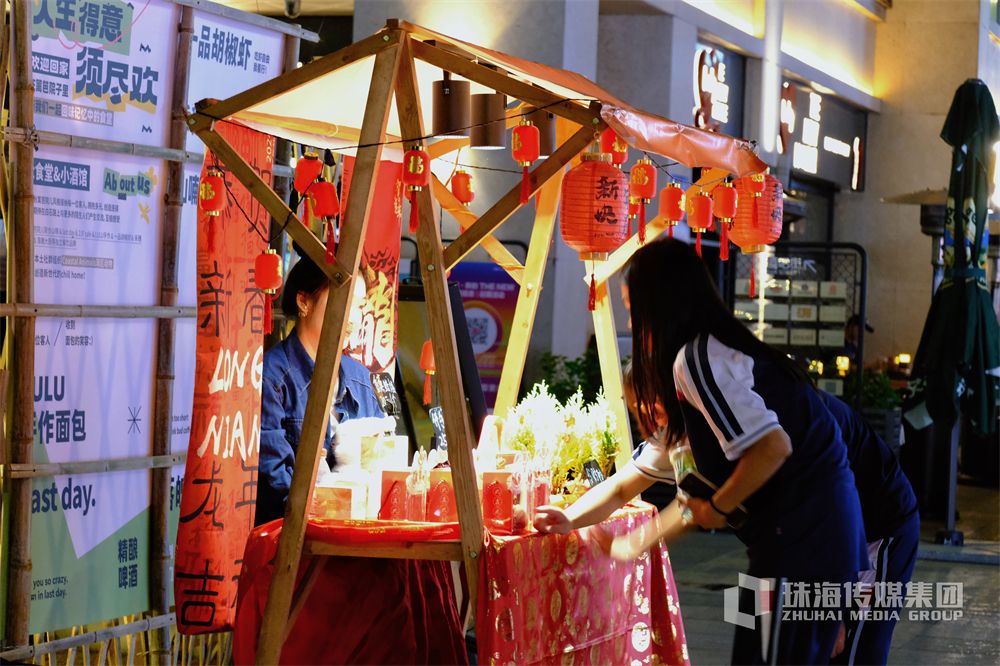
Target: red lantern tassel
x=671, y=230
x=723, y=240
x=592, y=301
x=697, y=244
x=210, y=233
x=427, y=389
x=414, y=220
x=525, y=186
x=642, y=223
x=268, y=323
x=331, y=242
x=753, y=270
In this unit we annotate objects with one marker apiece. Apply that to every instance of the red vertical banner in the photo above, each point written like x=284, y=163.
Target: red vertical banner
x=220, y=479
x=373, y=343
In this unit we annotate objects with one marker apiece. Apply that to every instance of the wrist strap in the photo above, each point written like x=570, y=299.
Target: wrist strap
x=717, y=510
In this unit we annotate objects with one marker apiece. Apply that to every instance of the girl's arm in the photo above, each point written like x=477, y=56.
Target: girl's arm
x=595, y=505
x=666, y=526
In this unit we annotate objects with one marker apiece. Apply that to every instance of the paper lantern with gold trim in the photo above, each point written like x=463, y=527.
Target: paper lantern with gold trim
x=461, y=187
x=307, y=169
x=642, y=188
x=700, y=217
x=724, y=199
x=758, y=219
x=672, y=205
x=267, y=278
x=524, y=146
x=615, y=146
x=416, y=176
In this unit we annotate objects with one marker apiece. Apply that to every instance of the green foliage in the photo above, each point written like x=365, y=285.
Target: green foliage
x=876, y=393
x=565, y=376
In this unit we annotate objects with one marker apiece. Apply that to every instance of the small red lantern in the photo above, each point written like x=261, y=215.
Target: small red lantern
x=461, y=187
x=594, y=210
x=672, y=205
x=211, y=200
x=724, y=202
x=427, y=365
x=700, y=217
x=615, y=146
x=267, y=277
x=524, y=142
x=416, y=176
x=758, y=219
x=754, y=184
x=642, y=188
x=322, y=200
x=307, y=169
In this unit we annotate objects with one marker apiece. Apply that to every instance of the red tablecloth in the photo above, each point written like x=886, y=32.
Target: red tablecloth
x=361, y=610
x=563, y=600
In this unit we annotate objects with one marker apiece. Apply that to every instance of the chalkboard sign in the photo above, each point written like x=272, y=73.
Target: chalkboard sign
x=385, y=391
x=594, y=473
x=437, y=420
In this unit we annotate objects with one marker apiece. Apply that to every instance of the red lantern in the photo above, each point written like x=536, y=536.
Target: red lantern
x=672, y=205
x=754, y=184
x=724, y=203
x=307, y=169
x=615, y=146
x=461, y=187
x=524, y=142
x=594, y=210
x=427, y=365
x=416, y=176
x=642, y=188
x=267, y=277
x=633, y=212
x=322, y=197
x=211, y=200
x=758, y=219
x=700, y=217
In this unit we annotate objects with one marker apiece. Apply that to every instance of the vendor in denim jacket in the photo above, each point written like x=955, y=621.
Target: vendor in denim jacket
x=288, y=369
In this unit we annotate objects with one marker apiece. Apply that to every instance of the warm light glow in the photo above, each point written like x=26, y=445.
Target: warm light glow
x=719, y=11
x=902, y=359
x=805, y=157
x=810, y=132
x=825, y=66
x=814, y=104
x=857, y=163
x=817, y=367
x=843, y=364
x=836, y=146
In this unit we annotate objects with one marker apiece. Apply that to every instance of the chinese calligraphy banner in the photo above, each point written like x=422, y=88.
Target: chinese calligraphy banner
x=102, y=68
x=95, y=241
x=373, y=343
x=220, y=479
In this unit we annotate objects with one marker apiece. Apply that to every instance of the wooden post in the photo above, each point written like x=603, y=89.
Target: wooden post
x=611, y=371
x=531, y=287
x=279, y=596
x=456, y=418
x=23, y=366
x=159, y=503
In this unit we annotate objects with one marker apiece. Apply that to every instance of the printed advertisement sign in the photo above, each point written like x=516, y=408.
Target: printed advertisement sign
x=220, y=479
x=490, y=298
x=373, y=343
x=102, y=68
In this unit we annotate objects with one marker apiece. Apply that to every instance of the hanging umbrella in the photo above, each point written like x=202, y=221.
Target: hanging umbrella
x=957, y=364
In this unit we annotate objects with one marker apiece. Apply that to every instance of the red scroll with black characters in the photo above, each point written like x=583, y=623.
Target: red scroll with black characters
x=220, y=480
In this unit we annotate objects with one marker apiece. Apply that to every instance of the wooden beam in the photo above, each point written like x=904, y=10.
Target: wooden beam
x=709, y=179
x=279, y=596
x=508, y=85
x=263, y=193
x=611, y=371
x=31, y=470
x=456, y=417
x=403, y=550
x=527, y=297
x=444, y=146
x=304, y=589
x=300, y=76
x=500, y=254
x=511, y=201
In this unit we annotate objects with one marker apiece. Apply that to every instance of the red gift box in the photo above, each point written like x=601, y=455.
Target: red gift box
x=497, y=507
x=441, y=506
x=393, y=504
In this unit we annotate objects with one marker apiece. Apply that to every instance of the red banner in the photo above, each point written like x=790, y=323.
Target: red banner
x=220, y=479
x=373, y=343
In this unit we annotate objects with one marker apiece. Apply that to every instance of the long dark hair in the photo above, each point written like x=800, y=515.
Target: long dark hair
x=305, y=277
x=673, y=300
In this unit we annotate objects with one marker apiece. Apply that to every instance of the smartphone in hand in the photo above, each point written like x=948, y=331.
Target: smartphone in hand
x=696, y=485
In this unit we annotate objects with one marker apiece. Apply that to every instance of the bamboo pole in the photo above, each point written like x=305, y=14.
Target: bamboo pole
x=456, y=417
x=23, y=369
x=279, y=597
x=100, y=311
x=4, y=71
x=159, y=502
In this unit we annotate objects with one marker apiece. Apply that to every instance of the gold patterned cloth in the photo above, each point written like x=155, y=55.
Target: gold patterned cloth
x=562, y=599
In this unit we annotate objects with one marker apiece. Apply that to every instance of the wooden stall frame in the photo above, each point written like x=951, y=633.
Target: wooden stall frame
x=394, y=49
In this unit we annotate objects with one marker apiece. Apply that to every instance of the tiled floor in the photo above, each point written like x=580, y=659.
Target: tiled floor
x=704, y=564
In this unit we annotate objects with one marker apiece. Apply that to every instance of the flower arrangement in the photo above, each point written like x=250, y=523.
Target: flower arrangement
x=564, y=436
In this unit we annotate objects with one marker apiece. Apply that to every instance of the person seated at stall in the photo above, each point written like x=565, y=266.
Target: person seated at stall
x=288, y=369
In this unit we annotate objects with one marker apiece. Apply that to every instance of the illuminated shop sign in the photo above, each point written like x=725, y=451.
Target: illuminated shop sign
x=822, y=136
x=718, y=90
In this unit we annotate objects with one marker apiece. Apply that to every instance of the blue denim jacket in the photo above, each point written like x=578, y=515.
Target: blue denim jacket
x=287, y=374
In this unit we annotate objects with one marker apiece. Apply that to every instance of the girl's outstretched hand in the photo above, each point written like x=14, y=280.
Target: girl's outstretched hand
x=552, y=520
